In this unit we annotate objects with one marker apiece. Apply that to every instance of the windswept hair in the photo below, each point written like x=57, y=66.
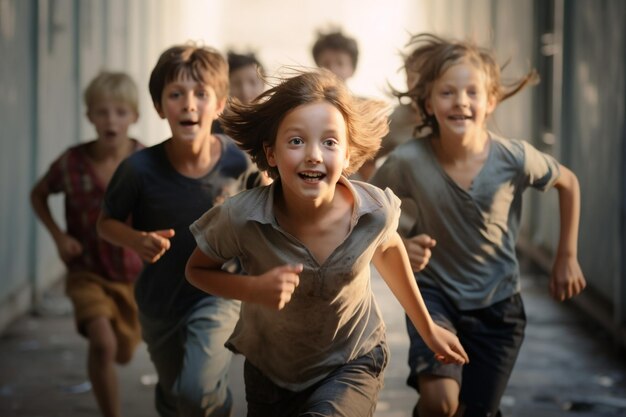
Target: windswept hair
x=236, y=61
x=433, y=55
x=255, y=125
x=114, y=85
x=200, y=63
x=337, y=41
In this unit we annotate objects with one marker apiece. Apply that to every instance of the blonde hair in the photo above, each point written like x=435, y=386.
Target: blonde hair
x=433, y=55
x=113, y=85
x=255, y=125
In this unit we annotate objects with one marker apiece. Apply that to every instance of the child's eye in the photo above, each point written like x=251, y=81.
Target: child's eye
x=331, y=142
x=174, y=94
x=202, y=94
x=296, y=141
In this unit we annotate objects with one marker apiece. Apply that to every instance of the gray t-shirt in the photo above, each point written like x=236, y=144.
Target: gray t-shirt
x=474, y=261
x=332, y=317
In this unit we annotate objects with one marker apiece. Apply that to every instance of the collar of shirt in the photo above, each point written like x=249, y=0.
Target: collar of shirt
x=361, y=206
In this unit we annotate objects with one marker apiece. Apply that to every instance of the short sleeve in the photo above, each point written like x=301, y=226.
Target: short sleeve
x=56, y=176
x=214, y=234
x=122, y=192
x=391, y=207
x=390, y=174
x=541, y=170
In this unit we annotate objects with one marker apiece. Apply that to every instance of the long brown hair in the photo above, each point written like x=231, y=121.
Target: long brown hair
x=433, y=55
x=254, y=126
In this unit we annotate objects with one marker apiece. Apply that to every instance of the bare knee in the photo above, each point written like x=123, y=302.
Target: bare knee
x=439, y=397
x=102, y=341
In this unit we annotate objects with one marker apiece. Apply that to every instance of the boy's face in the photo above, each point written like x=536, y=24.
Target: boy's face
x=245, y=84
x=111, y=118
x=337, y=61
x=190, y=108
x=310, y=151
x=459, y=100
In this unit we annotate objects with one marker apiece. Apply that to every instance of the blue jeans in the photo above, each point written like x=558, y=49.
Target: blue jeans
x=191, y=360
x=351, y=390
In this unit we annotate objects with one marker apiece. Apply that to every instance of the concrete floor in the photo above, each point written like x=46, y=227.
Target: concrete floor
x=567, y=367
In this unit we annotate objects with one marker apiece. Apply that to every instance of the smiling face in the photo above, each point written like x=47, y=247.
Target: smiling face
x=459, y=100
x=111, y=118
x=190, y=108
x=310, y=151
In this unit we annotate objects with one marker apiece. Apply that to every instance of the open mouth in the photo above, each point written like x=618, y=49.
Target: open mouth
x=311, y=176
x=187, y=123
x=110, y=134
x=460, y=117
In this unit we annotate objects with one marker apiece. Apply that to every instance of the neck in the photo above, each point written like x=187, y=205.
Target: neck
x=193, y=158
x=454, y=148
x=102, y=151
x=306, y=211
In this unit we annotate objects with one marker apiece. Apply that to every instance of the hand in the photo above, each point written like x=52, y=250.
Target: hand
x=152, y=245
x=418, y=249
x=274, y=288
x=68, y=247
x=446, y=346
x=567, y=279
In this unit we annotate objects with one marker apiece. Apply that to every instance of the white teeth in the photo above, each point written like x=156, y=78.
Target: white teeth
x=311, y=174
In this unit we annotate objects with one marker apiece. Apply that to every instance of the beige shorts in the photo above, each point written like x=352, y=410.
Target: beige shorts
x=94, y=296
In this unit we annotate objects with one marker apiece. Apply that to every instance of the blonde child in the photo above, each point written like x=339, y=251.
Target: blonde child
x=101, y=277
x=463, y=185
x=165, y=188
x=310, y=329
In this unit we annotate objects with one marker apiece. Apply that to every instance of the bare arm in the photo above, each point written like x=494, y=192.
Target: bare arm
x=392, y=261
x=67, y=246
x=150, y=246
x=567, y=278
x=272, y=289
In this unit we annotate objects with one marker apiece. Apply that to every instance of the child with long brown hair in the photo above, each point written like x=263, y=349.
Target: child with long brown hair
x=462, y=188
x=310, y=329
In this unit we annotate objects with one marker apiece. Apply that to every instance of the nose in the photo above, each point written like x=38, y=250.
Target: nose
x=190, y=101
x=462, y=99
x=313, y=153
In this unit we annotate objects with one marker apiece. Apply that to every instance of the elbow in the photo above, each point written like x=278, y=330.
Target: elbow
x=567, y=180
x=190, y=275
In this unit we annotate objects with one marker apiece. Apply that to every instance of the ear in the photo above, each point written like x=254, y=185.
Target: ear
x=219, y=108
x=269, y=155
x=492, y=102
x=428, y=107
x=159, y=110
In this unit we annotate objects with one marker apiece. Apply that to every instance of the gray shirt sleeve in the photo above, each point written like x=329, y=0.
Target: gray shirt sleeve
x=541, y=170
x=214, y=234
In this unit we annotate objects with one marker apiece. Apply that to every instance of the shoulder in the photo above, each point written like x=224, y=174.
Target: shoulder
x=512, y=151
x=373, y=196
x=249, y=203
x=232, y=156
x=72, y=156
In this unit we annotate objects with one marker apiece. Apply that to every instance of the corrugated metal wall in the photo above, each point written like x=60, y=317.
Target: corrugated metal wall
x=594, y=137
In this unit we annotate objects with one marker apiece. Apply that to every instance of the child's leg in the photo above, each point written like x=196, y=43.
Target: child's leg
x=101, y=365
x=101, y=308
x=492, y=337
x=350, y=391
x=191, y=360
x=438, y=384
